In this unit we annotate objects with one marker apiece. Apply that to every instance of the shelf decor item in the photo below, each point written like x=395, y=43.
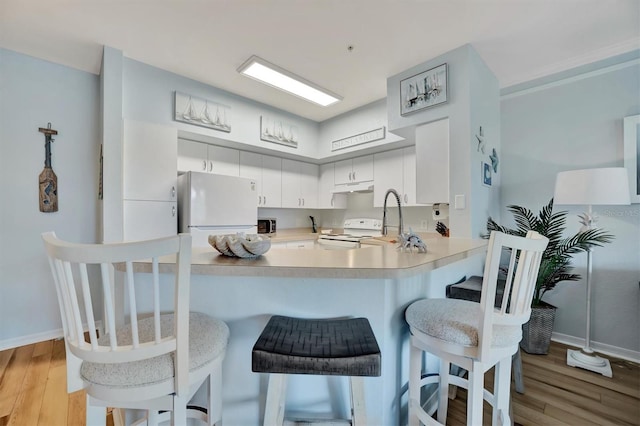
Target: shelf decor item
x=278, y=131
x=588, y=187
x=238, y=245
x=427, y=89
x=202, y=112
x=555, y=266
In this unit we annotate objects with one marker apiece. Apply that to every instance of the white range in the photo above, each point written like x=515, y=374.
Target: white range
x=354, y=231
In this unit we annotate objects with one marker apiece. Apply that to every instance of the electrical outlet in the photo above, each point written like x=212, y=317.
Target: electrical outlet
x=423, y=224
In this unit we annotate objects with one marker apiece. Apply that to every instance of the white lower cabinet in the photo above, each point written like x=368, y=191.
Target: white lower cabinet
x=395, y=169
x=145, y=220
x=326, y=198
x=298, y=244
x=299, y=184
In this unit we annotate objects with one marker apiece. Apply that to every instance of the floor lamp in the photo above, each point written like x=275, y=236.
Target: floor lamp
x=607, y=186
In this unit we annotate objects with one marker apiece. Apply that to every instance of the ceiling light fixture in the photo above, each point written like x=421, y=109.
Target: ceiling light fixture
x=268, y=73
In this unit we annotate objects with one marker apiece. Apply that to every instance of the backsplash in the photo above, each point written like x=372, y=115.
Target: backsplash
x=358, y=205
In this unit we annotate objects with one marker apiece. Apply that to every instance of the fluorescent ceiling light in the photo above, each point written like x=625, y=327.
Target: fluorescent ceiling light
x=268, y=73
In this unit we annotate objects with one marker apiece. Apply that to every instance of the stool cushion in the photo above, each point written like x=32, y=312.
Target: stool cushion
x=344, y=347
x=456, y=321
x=207, y=340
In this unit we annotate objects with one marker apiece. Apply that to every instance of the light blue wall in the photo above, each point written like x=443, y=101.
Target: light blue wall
x=148, y=95
x=570, y=124
x=34, y=92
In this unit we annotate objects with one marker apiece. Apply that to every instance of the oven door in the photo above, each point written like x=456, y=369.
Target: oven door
x=327, y=244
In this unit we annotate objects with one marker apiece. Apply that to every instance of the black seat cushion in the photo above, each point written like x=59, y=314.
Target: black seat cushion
x=471, y=289
x=344, y=347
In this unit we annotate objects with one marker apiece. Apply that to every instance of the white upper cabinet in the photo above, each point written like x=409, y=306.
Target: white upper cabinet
x=299, y=184
x=149, y=161
x=267, y=172
x=432, y=154
x=202, y=157
x=326, y=198
x=354, y=170
x=149, y=181
x=395, y=169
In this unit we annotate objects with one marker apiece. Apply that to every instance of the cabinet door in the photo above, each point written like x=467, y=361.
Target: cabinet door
x=343, y=172
x=271, y=181
x=388, y=174
x=327, y=199
x=291, y=184
x=223, y=161
x=192, y=156
x=308, y=185
x=362, y=169
x=150, y=154
x=409, y=176
x=251, y=167
x=145, y=220
x=432, y=153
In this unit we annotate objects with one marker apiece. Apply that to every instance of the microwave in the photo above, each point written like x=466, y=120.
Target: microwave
x=266, y=226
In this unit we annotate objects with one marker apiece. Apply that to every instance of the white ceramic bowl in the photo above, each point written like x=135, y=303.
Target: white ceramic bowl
x=237, y=245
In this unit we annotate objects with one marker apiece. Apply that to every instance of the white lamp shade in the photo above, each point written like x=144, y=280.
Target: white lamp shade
x=605, y=186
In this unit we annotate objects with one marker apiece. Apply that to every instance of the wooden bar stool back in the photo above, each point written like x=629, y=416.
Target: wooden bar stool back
x=342, y=347
x=476, y=336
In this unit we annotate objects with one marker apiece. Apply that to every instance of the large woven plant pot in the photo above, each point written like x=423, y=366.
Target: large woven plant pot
x=536, y=333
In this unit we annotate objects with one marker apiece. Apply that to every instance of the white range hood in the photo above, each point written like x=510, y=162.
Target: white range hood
x=355, y=187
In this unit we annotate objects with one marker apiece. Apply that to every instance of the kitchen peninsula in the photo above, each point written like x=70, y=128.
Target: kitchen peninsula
x=376, y=282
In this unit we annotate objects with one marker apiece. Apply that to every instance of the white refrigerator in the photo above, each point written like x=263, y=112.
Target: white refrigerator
x=210, y=204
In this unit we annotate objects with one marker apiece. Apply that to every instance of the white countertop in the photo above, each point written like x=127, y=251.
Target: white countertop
x=375, y=261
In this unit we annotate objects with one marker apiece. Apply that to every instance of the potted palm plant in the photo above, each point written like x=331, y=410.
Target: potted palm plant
x=554, y=268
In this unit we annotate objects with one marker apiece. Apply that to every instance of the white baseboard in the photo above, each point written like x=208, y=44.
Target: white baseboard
x=30, y=339
x=38, y=337
x=603, y=348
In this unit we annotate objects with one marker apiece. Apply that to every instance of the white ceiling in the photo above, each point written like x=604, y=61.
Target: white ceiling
x=207, y=40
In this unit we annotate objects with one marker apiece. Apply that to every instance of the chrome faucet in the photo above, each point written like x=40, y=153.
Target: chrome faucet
x=384, y=212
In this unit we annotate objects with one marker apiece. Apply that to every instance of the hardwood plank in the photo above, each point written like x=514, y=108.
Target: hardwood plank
x=16, y=371
x=567, y=383
x=56, y=400
x=566, y=417
x=42, y=348
x=6, y=405
x=528, y=417
x=5, y=357
x=76, y=412
x=27, y=407
x=584, y=375
x=37, y=372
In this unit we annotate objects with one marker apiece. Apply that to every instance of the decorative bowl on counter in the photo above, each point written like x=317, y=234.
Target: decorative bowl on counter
x=240, y=245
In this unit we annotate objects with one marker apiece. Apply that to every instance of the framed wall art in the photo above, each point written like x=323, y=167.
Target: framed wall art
x=278, y=131
x=424, y=90
x=202, y=112
x=632, y=155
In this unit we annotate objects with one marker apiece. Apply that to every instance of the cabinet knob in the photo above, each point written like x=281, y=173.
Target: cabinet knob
x=354, y=175
x=350, y=173
x=259, y=199
x=264, y=198
x=210, y=166
x=173, y=192
x=406, y=198
x=204, y=165
x=303, y=201
x=173, y=211
x=332, y=197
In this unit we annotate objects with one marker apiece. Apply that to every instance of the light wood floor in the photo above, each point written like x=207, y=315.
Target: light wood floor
x=33, y=391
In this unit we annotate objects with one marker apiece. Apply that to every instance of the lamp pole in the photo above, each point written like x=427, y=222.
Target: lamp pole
x=585, y=357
